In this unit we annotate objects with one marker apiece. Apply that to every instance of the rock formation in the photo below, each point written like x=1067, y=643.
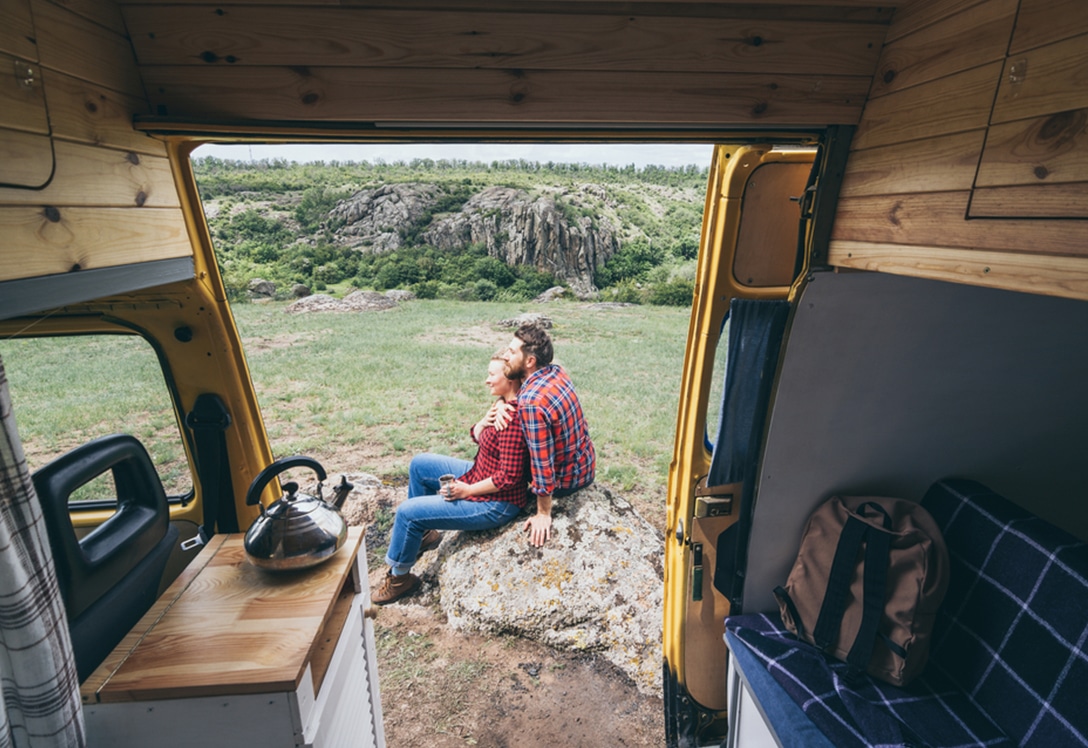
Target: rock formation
x=558, y=232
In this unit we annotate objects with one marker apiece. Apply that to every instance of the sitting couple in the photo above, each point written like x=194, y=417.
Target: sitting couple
x=533, y=434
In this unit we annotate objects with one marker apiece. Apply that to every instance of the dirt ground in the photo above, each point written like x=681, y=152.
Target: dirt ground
x=446, y=688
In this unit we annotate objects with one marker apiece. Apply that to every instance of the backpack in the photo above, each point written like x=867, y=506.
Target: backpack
x=866, y=585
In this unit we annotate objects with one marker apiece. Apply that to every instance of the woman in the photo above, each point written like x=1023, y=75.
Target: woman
x=490, y=492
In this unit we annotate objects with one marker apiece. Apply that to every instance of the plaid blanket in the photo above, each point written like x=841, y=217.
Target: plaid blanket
x=999, y=672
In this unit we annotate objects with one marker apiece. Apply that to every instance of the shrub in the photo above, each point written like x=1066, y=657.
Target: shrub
x=677, y=292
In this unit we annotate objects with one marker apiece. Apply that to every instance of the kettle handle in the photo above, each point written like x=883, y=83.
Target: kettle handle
x=253, y=495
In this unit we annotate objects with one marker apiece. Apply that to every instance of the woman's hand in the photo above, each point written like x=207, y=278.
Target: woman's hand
x=457, y=490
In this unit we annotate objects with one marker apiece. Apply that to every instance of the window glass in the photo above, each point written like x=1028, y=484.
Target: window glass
x=717, y=388
x=69, y=390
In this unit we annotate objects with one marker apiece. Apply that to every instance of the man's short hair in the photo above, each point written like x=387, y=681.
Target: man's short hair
x=536, y=342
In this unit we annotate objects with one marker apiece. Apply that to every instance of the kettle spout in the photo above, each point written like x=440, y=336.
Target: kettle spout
x=341, y=491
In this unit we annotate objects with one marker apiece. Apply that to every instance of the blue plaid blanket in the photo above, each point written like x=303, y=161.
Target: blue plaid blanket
x=1009, y=662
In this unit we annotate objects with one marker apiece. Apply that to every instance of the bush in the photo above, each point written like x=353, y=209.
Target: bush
x=677, y=292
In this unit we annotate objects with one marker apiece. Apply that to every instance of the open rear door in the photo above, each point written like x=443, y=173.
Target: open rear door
x=752, y=239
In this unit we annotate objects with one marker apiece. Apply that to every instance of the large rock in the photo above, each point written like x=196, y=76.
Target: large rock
x=596, y=586
x=375, y=219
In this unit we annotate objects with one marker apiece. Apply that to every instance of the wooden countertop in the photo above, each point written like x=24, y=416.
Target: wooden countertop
x=226, y=627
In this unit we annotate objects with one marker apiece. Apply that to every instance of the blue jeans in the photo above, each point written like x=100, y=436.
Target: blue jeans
x=426, y=511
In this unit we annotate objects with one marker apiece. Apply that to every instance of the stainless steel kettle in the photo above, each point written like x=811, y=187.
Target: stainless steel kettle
x=297, y=530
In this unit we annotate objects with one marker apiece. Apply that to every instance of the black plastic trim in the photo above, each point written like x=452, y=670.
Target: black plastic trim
x=30, y=295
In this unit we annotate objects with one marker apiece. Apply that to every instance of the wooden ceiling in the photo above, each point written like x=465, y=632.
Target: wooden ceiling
x=604, y=64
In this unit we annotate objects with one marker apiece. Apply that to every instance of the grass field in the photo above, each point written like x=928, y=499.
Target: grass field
x=365, y=391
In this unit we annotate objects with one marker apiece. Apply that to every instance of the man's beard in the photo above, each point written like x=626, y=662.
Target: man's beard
x=514, y=373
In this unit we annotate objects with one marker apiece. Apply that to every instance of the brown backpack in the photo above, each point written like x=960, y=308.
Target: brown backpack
x=868, y=580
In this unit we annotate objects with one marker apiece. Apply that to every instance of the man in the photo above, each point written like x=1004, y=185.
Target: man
x=562, y=459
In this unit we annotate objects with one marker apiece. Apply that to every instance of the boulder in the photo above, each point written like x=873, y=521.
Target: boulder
x=300, y=291
x=596, y=586
x=553, y=293
x=515, y=322
x=261, y=287
x=399, y=294
x=357, y=301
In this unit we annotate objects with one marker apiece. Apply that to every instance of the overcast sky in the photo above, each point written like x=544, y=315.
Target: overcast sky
x=595, y=153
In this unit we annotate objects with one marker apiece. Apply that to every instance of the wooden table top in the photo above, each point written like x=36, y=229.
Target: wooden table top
x=225, y=627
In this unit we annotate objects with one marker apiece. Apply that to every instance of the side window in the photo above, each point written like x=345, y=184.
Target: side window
x=69, y=390
x=717, y=388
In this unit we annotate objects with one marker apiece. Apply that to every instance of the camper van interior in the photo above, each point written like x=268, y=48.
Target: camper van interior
x=893, y=275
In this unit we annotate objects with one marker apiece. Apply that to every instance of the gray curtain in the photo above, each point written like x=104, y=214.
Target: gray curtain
x=39, y=690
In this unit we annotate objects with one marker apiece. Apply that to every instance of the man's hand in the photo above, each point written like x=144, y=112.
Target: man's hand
x=539, y=527
x=501, y=417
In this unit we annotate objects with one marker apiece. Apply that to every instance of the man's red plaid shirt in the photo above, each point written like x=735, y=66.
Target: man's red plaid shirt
x=560, y=451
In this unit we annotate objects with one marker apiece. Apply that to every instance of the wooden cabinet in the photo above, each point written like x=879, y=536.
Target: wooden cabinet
x=232, y=655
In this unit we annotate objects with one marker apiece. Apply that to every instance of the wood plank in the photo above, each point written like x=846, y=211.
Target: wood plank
x=48, y=240
x=343, y=94
x=105, y=13
x=978, y=35
x=958, y=103
x=88, y=113
x=940, y=164
x=234, y=630
x=1030, y=273
x=1055, y=80
x=1042, y=22
x=912, y=16
x=88, y=689
x=870, y=8
x=90, y=176
x=26, y=159
x=435, y=39
x=17, y=30
x=1051, y=150
x=1031, y=201
x=71, y=44
x=22, y=107
x=938, y=220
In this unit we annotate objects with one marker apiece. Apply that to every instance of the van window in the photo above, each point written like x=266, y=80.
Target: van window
x=717, y=388
x=69, y=390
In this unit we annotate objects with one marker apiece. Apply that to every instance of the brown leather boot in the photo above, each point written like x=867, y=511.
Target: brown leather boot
x=431, y=540
x=394, y=587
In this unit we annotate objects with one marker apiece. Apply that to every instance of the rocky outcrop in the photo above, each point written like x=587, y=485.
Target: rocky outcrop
x=558, y=232
x=596, y=586
x=373, y=220
x=522, y=229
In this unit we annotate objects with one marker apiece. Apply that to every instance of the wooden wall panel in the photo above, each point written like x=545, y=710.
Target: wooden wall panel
x=1055, y=80
x=939, y=164
x=71, y=44
x=1050, y=149
x=17, y=30
x=47, y=240
x=105, y=13
x=88, y=176
x=1031, y=273
x=26, y=159
x=974, y=37
x=938, y=220
x=88, y=113
x=916, y=15
x=955, y=103
x=21, y=107
x=1043, y=22
x=348, y=94
x=1031, y=201
x=240, y=36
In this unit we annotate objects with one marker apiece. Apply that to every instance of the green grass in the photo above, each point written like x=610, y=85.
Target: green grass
x=411, y=379
x=366, y=391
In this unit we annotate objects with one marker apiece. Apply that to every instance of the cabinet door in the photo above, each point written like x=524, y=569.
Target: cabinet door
x=26, y=145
